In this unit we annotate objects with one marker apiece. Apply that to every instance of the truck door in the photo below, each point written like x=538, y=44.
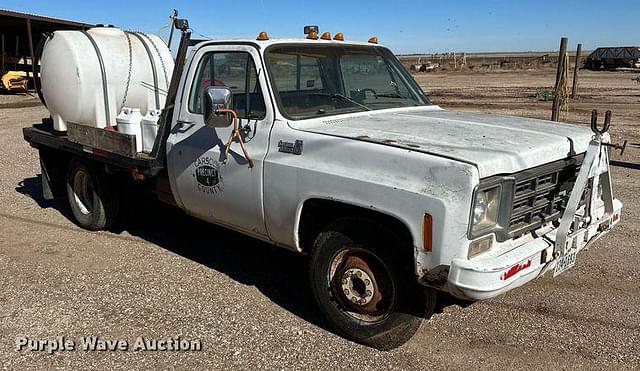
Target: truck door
x=205, y=183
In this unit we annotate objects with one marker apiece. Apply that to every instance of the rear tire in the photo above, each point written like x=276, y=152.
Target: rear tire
x=93, y=198
x=366, y=291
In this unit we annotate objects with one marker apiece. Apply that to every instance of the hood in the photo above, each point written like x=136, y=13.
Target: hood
x=494, y=144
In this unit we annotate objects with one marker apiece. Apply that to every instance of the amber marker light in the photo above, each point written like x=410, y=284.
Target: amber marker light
x=427, y=233
x=326, y=36
x=313, y=35
x=263, y=36
x=339, y=37
x=373, y=40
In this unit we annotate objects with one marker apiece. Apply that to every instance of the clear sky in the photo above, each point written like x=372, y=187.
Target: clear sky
x=403, y=25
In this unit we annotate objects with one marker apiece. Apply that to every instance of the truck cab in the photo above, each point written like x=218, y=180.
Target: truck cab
x=329, y=148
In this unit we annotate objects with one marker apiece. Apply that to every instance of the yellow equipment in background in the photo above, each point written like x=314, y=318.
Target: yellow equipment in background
x=15, y=81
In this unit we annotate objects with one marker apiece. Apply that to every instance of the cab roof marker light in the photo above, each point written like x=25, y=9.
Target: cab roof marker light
x=373, y=40
x=313, y=35
x=339, y=37
x=263, y=36
x=326, y=36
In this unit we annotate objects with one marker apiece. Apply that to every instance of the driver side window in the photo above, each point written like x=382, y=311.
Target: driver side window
x=236, y=71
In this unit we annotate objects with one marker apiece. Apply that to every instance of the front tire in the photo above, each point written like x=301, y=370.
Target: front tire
x=364, y=288
x=93, y=199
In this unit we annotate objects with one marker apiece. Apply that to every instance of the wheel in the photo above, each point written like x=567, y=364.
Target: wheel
x=93, y=200
x=363, y=288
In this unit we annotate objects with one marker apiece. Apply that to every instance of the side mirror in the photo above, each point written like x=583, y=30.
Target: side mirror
x=213, y=99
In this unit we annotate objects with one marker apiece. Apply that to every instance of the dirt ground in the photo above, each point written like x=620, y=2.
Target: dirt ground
x=249, y=303
x=514, y=93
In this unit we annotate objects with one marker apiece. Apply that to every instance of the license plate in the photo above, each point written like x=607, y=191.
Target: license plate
x=566, y=261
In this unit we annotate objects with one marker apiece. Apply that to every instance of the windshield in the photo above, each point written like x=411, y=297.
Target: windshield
x=324, y=80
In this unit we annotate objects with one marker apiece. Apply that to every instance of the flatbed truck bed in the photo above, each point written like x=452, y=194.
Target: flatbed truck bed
x=42, y=136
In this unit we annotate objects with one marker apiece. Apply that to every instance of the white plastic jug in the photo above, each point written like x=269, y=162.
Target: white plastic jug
x=129, y=123
x=149, y=129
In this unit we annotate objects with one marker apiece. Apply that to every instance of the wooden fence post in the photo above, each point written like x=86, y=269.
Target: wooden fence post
x=574, y=89
x=555, y=110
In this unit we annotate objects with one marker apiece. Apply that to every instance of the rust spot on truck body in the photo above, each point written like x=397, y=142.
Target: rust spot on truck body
x=436, y=277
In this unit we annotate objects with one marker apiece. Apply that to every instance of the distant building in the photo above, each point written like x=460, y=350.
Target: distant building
x=613, y=57
x=19, y=37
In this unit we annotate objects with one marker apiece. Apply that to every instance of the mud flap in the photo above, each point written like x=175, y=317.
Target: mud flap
x=45, y=179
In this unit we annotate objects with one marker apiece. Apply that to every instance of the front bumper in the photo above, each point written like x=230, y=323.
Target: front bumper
x=480, y=279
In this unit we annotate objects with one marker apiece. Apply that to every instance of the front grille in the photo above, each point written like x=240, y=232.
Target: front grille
x=541, y=195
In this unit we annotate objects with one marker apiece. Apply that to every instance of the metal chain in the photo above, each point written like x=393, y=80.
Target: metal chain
x=126, y=89
x=164, y=68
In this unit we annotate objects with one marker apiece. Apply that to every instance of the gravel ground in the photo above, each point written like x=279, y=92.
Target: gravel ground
x=249, y=303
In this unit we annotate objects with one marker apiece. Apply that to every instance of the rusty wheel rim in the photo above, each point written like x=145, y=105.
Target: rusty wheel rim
x=361, y=284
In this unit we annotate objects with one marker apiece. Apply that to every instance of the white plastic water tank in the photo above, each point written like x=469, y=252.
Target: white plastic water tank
x=72, y=75
x=129, y=123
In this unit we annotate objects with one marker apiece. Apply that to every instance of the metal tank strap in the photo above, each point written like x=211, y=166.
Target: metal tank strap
x=153, y=67
x=105, y=92
x=164, y=67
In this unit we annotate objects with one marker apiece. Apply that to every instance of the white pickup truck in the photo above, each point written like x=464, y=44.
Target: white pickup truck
x=329, y=148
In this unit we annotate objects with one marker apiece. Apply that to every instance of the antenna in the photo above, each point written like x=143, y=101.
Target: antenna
x=173, y=18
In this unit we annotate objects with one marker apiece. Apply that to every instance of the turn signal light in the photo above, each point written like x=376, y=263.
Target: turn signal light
x=427, y=233
x=313, y=35
x=263, y=36
x=373, y=40
x=339, y=37
x=480, y=246
x=326, y=36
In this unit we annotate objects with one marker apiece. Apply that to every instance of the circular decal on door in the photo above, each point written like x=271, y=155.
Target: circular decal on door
x=208, y=176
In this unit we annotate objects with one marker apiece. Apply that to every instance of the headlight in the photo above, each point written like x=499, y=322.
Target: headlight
x=485, y=210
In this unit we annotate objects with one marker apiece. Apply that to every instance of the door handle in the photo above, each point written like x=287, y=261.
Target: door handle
x=182, y=123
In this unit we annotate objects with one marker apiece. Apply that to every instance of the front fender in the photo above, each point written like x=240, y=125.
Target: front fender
x=400, y=183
